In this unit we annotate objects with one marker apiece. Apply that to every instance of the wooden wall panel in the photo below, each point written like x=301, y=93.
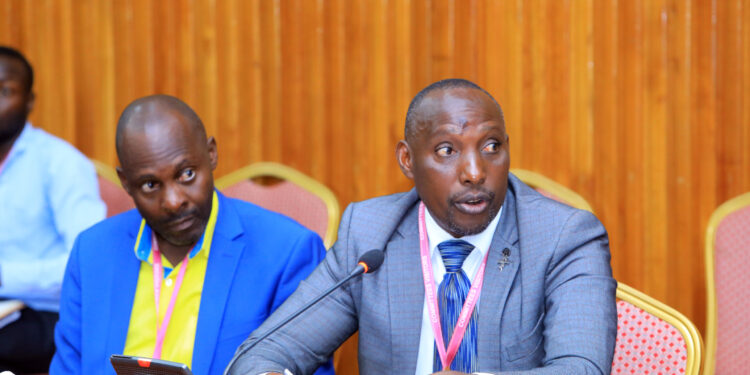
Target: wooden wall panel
x=638, y=105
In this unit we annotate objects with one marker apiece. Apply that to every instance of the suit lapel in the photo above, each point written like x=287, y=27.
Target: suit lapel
x=122, y=281
x=497, y=285
x=222, y=265
x=405, y=294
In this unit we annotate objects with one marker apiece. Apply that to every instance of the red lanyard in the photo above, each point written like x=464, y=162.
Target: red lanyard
x=161, y=329
x=446, y=356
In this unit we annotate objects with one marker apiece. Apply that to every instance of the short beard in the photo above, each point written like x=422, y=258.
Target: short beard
x=462, y=232
x=183, y=241
x=14, y=130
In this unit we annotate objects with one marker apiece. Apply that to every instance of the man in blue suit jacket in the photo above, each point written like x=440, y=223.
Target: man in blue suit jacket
x=256, y=260
x=547, y=303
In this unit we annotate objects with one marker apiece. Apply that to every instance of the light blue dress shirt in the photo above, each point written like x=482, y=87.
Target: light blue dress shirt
x=48, y=194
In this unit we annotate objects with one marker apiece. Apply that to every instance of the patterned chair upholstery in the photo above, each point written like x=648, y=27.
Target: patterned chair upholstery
x=728, y=287
x=285, y=190
x=110, y=190
x=653, y=338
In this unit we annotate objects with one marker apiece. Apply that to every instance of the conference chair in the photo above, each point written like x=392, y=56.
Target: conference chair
x=727, y=283
x=653, y=338
x=110, y=190
x=285, y=190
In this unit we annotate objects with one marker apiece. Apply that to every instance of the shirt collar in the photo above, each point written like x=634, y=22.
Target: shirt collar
x=202, y=247
x=482, y=241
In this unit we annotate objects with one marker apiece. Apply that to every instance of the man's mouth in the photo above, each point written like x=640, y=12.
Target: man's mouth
x=182, y=223
x=472, y=204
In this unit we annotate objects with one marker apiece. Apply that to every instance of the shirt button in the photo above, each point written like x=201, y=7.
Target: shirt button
x=169, y=282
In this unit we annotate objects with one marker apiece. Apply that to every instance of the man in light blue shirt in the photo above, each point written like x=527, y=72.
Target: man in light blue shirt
x=48, y=194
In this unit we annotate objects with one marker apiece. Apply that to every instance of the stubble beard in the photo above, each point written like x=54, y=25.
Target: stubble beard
x=456, y=229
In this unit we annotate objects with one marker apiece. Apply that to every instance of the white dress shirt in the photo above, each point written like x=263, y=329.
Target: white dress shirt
x=436, y=235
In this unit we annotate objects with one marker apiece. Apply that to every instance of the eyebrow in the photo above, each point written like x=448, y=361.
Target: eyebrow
x=145, y=177
x=184, y=163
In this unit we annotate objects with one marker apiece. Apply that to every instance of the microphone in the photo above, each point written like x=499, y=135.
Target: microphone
x=369, y=262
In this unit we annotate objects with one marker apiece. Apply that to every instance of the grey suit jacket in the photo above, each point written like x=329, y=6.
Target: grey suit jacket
x=551, y=310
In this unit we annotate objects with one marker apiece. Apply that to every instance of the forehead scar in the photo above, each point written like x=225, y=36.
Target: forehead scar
x=462, y=122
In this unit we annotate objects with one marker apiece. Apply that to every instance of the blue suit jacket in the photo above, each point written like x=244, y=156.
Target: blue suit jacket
x=550, y=311
x=257, y=260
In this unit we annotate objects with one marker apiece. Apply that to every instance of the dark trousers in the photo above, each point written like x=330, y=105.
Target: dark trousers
x=28, y=344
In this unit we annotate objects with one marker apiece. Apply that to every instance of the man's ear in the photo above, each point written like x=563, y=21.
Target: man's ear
x=404, y=157
x=123, y=180
x=213, y=153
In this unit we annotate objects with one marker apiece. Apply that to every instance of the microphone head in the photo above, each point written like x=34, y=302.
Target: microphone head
x=371, y=260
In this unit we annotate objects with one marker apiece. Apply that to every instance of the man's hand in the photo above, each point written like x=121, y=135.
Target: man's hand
x=450, y=373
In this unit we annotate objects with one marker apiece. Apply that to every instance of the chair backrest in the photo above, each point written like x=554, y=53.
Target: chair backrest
x=728, y=287
x=552, y=189
x=110, y=190
x=653, y=338
x=292, y=193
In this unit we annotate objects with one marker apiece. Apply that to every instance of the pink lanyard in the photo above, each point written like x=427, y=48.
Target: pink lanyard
x=161, y=329
x=432, y=306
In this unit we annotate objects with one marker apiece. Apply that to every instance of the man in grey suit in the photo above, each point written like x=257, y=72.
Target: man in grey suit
x=547, y=298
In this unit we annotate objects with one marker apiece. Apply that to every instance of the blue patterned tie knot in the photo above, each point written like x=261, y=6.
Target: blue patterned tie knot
x=454, y=252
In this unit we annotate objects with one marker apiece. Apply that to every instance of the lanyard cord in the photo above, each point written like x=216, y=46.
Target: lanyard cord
x=161, y=328
x=446, y=356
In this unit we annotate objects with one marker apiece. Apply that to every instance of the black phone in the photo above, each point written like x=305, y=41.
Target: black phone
x=130, y=365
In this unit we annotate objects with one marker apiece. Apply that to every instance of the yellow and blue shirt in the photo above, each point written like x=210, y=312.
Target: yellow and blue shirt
x=180, y=335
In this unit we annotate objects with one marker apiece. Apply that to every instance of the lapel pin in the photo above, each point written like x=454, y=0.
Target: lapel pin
x=505, y=260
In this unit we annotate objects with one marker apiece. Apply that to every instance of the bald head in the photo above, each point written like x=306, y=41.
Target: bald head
x=157, y=114
x=415, y=114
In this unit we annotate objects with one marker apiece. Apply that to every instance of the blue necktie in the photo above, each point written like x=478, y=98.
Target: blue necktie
x=452, y=293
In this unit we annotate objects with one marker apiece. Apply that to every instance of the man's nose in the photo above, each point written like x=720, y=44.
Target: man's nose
x=473, y=169
x=174, y=198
